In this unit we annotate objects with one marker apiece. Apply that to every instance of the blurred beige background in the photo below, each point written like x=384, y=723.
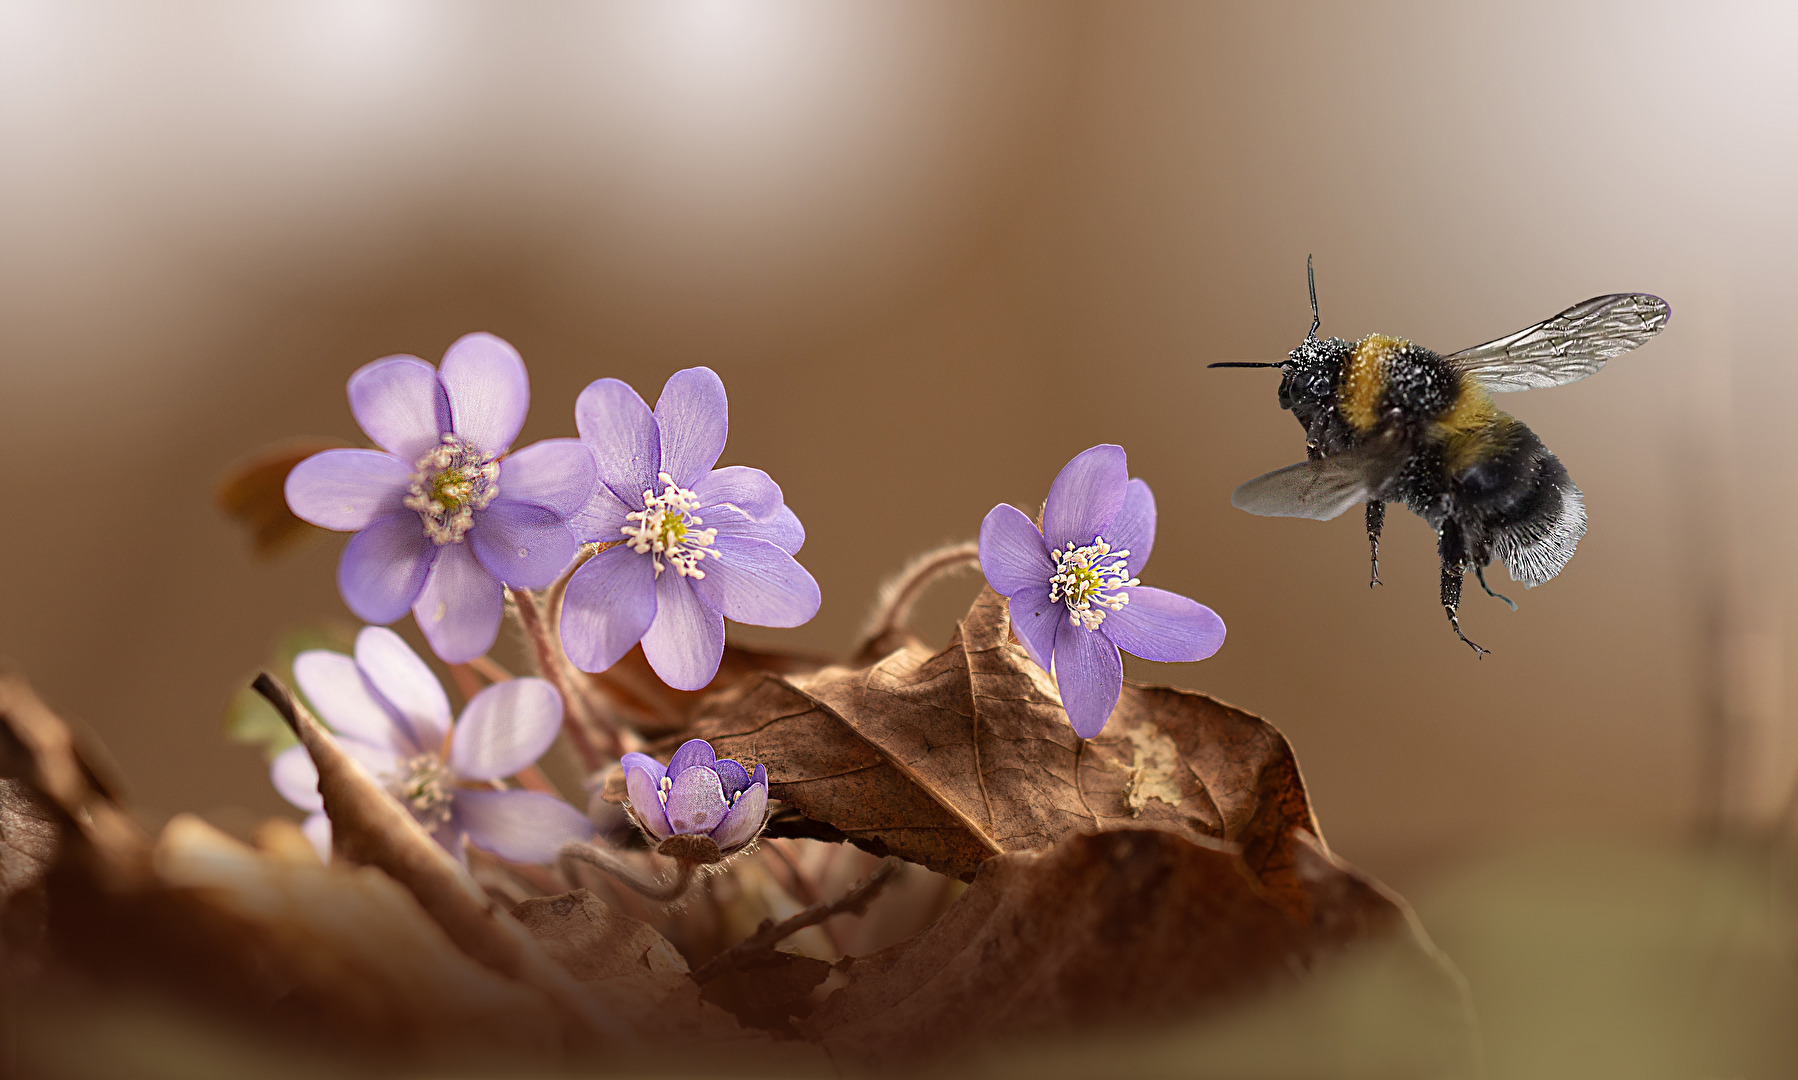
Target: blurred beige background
x=935, y=249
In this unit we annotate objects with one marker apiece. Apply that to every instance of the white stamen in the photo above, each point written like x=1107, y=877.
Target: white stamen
x=1086, y=579
x=667, y=530
x=426, y=785
x=448, y=485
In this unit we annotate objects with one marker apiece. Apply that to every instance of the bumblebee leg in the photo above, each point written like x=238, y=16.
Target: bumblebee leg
x=1376, y=518
x=1454, y=565
x=1480, y=572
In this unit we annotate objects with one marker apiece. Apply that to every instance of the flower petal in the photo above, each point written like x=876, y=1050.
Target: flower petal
x=384, y=567
x=621, y=431
x=1036, y=620
x=521, y=543
x=459, y=609
x=686, y=641
x=646, y=803
x=317, y=828
x=782, y=528
x=696, y=802
x=505, y=729
x=347, y=490
x=754, y=582
x=399, y=404
x=555, y=473
x=743, y=820
x=690, y=753
x=752, y=491
x=1086, y=495
x=523, y=826
x=1160, y=625
x=1090, y=675
x=656, y=769
x=694, y=418
x=1133, y=530
x=760, y=775
x=1012, y=553
x=610, y=602
x=296, y=778
x=732, y=775
x=405, y=684
x=347, y=702
x=379, y=762
x=602, y=519
x=489, y=392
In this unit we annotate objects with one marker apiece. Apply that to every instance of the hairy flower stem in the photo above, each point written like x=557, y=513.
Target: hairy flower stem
x=771, y=933
x=596, y=738
x=892, y=612
x=601, y=858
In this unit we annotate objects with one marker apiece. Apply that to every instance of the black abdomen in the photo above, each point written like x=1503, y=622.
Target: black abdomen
x=1516, y=503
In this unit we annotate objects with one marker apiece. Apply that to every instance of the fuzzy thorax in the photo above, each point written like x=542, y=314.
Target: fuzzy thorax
x=1088, y=579
x=667, y=529
x=448, y=485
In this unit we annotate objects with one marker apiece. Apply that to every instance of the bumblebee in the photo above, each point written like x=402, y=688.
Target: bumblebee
x=1387, y=420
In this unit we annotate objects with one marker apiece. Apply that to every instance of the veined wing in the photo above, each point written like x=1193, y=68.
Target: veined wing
x=1326, y=487
x=1566, y=347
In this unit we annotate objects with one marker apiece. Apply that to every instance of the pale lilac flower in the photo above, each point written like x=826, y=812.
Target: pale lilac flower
x=442, y=515
x=696, y=794
x=1073, y=597
x=699, y=544
x=389, y=713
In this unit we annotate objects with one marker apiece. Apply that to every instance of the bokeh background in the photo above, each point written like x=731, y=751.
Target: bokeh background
x=935, y=249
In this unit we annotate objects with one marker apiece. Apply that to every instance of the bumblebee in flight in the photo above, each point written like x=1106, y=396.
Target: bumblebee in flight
x=1387, y=420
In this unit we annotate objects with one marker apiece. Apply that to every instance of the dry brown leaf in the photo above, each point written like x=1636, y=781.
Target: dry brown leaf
x=30, y=840
x=370, y=828
x=30, y=837
x=268, y=937
x=255, y=494
x=637, y=975
x=1127, y=928
x=952, y=758
x=346, y=950
x=656, y=709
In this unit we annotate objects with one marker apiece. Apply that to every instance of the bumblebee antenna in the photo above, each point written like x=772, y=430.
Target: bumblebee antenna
x=1311, y=280
x=1245, y=363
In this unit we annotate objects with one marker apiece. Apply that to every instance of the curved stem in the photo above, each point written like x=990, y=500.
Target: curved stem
x=899, y=595
x=769, y=934
x=592, y=741
x=622, y=870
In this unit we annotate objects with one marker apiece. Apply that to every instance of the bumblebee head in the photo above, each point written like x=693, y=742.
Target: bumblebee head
x=1312, y=371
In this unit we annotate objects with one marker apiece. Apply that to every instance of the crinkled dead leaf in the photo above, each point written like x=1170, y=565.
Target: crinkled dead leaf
x=30, y=840
x=635, y=974
x=30, y=836
x=1128, y=928
x=656, y=709
x=254, y=494
x=949, y=759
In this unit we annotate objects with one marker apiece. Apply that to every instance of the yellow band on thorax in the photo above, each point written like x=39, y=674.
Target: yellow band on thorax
x=1364, y=380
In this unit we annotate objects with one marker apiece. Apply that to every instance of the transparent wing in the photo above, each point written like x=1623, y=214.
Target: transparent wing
x=1566, y=347
x=1326, y=487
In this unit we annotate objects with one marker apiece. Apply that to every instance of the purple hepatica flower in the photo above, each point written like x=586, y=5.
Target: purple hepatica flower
x=442, y=515
x=1073, y=600
x=699, y=544
x=390, y=714
x=697, y=795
